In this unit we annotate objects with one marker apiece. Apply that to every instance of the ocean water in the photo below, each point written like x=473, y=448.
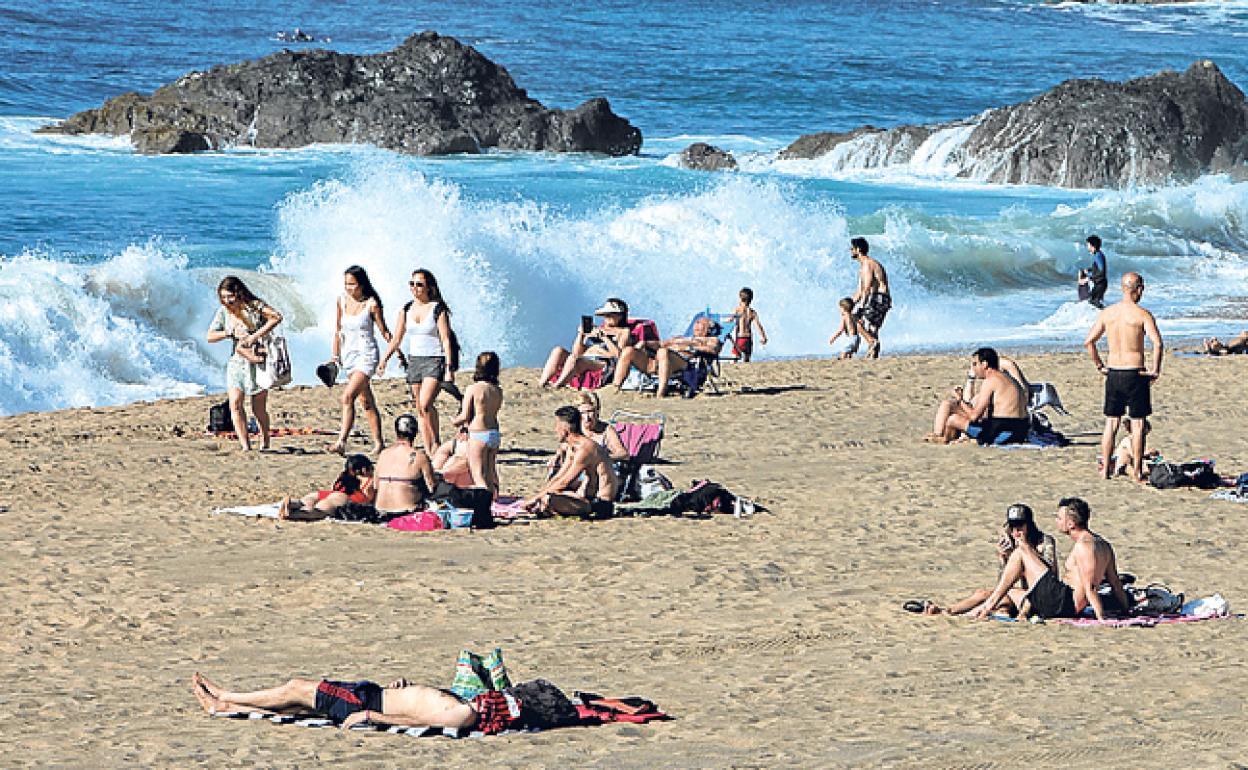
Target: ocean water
x=108, y=259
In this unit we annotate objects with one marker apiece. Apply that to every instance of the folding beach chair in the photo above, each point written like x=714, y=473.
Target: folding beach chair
x=642, y=436
x=1044, y=394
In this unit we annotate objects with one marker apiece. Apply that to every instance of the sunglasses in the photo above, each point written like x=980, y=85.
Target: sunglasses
x=415, y=284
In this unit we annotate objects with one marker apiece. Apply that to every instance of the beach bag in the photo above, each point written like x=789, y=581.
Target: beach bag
x=276, y=370
x=219, y=419
x=543, y=706
x=1194, y=474
x=479, y=501
x=1155, y=599
x=475, y=674
x=651, y=481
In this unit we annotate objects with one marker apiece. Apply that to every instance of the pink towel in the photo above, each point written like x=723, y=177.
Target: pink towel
x=421, y=521
x=637, y=435
x=1140, y=621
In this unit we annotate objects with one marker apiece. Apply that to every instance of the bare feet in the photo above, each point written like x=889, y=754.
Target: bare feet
x=206, y=699
x=283, y=511
x=935, y=438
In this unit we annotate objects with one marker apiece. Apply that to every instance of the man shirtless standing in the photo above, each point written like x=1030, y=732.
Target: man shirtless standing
x=1127, y=382
x=872, y=300
x=1091, y=562
x=998, y=415
x=564, y=493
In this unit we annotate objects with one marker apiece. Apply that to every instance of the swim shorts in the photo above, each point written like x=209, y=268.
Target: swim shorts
x=339, y=700
x=997, y=431
x=870, y=312
x=1128, y=391
x=744, y=346
x=421, y=368
x=1051, y=598
x=601, y=509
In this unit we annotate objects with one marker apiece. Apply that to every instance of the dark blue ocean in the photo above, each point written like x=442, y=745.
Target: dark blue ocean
x=108, y=259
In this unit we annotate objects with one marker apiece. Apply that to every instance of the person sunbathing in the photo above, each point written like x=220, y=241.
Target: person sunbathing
x=1090, y=563
x=566, y=493
x=348, y=703
x=602, y=433
x=996, y=415
x=450, y=461
x=1124, y=453
x=595, y=349
x=674, y=355
x=1020, y=525
x=1215, y=346
x=354, y=486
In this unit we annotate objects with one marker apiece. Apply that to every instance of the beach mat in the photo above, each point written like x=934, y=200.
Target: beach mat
x=505, y=509
x=313, y=721
x=1137, y=622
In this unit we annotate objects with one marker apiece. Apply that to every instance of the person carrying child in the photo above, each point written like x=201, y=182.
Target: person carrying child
x=849, y=328
x=746, y=319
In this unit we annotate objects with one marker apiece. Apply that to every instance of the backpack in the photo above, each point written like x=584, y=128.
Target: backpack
x=1154, y=599
x=276, y=370
x=1194, y=474
x=219, y=419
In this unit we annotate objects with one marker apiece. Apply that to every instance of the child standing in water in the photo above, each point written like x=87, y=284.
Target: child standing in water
x=482, y=401
x=746, y=319
x=849, y=328
x=358, y=310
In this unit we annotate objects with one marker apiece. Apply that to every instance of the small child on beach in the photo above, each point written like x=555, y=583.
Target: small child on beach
x=848, y=327
x=746, y=318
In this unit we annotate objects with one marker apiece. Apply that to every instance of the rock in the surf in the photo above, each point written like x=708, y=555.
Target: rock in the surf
x=430, y=96
x=1166, y=127
x=701, y=156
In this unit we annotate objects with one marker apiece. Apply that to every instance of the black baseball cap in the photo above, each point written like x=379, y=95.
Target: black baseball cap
x=1018, y=513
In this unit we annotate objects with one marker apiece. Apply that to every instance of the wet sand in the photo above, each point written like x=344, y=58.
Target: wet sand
x=775, y=641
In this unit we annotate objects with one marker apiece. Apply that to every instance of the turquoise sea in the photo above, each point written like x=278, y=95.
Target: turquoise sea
x=108, y=259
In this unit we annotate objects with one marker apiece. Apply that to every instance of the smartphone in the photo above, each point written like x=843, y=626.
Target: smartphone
x=587, y=323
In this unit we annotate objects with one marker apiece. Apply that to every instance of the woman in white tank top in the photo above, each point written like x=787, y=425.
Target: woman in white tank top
x=430, y=351
x=355, y=349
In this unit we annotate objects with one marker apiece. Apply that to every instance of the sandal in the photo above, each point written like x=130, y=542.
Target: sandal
x=915, y=606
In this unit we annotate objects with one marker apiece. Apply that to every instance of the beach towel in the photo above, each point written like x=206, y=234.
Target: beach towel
x=1136, y=622
x=315, y=721
x=506, y=510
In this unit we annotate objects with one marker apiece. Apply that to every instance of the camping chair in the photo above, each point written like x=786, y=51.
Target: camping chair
x=642, y=436
x=704, y=367
x=642, y=328
x=1044, y=394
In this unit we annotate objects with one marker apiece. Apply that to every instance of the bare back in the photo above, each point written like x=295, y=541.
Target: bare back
x=1093, y=549
x=1008, y=398
x=398, y=468
x=1126, y=324
x=588, y=457
x=482, y=401
x=872, y=278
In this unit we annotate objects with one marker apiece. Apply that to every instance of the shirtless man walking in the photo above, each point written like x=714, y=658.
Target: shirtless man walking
x=872, y=300
x=564, y=492
x=1091, y=562
x=1128, y=383
x=998, y=415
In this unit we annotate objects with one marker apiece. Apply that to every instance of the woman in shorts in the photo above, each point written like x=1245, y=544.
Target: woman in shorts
x=426, y=323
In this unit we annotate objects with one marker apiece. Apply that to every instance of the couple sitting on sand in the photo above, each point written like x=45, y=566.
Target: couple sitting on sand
x=1216, y=347
x=1030, y=582
x=992, y=408
x=609, y=351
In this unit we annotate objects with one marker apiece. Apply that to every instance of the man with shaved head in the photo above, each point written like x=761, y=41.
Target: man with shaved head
x=1128, y=382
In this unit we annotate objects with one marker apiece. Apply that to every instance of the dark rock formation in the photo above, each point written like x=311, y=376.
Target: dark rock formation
x=430, y=96
x=1165, y=127
x=701, y=156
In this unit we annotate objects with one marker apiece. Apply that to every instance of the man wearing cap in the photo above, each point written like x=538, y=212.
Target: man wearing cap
x=1019, y=525
x=1091, y=562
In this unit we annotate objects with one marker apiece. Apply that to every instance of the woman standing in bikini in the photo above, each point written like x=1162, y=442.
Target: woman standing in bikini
x=482, y=401
x=427, y=320
x=244, y=319
x=355, y=350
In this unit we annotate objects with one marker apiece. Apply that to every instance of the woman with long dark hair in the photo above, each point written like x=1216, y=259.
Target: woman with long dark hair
x=431, y=351
x=356, y=484
x=358, y=310
x=482, y=401
x=244, y=319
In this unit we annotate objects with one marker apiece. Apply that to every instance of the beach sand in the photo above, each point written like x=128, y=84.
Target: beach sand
x=774, y=641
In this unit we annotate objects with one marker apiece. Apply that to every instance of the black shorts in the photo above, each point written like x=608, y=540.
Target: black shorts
x=601, y=509
x=339, y=700
x=1051, y=598
x=1000, y=430
x=1128, y=391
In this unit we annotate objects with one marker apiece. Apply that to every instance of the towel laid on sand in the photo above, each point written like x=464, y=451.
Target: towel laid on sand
x=1136, y=622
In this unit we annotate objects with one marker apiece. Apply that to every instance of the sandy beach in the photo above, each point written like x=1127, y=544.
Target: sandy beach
x=774, y=641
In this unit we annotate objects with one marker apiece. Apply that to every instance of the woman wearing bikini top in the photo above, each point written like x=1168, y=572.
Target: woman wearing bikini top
x=426, y=322
x=355, y=349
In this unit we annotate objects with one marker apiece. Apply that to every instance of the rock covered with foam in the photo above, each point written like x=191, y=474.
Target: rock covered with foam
x=432, y=95
x=1166, y=127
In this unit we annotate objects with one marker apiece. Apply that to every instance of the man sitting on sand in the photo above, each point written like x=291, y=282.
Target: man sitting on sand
x=564, y=493
x=1216, y=347
x=998, y=413
x=349, y=703
x=1090, y=563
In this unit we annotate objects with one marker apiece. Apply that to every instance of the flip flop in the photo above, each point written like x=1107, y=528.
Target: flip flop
x=915, y=606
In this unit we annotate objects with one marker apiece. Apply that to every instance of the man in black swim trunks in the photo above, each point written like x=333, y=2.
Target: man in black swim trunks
x=346, y=703
x=998, y=415
x=1128, y=384
x=586, y=483
x=1091, y=562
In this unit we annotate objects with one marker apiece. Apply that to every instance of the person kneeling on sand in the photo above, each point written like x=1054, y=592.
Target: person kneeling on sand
x=1020, y=525
x=349, y=703
x=450, y=461
x=354, y=486
x=563, y=493
x=996, y=415
x=1090, y=563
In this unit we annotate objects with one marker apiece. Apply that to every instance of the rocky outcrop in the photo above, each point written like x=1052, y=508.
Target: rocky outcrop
x=701, y=156
x=1161, y=128
x=430, y=96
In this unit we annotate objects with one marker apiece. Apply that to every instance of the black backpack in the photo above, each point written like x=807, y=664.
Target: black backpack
x=1173, y=475
x=219, y=419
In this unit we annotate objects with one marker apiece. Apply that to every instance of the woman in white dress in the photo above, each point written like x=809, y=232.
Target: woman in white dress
x=426, y=323
x=355, y=350
x=244, y=319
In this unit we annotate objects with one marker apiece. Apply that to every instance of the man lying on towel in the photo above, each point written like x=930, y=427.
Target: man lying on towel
x=350, y=703
x=998, y=413
x=1090, y=563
